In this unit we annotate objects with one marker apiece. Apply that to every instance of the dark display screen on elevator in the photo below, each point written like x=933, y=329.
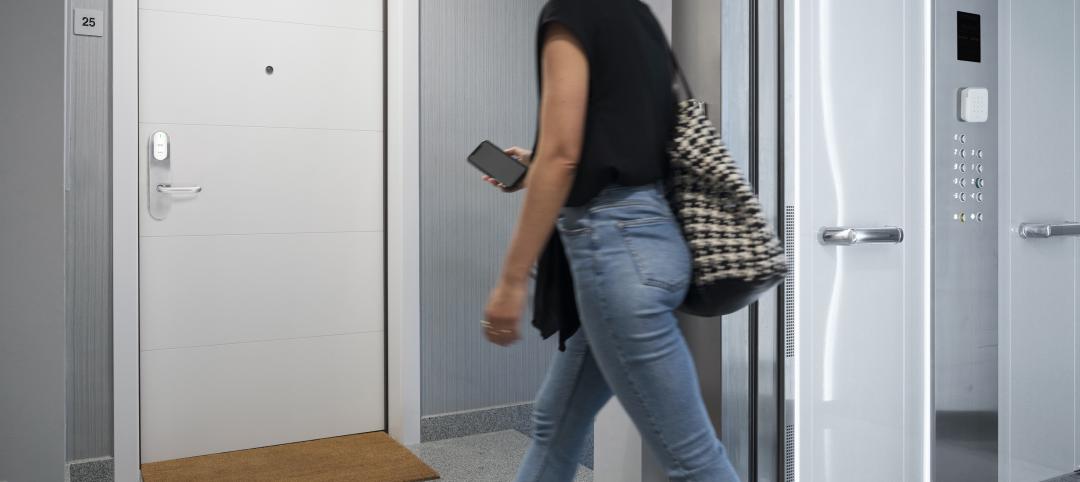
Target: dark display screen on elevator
x=968, y=37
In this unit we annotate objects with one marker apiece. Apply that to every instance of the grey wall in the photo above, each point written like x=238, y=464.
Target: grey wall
x=89, y=270
x=712, y=40
x=477, y=82
x=697, y=43
x=32, y=338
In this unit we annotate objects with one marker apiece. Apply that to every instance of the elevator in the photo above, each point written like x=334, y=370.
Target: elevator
x=920, y=161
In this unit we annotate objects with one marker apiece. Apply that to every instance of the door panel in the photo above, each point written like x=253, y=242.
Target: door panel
x=229, y=397
x=259, y=180
x=855, y=147
x=201, y=69
x=212, y=290
x=1039, y=276
x=358, y=14
x=261, y=296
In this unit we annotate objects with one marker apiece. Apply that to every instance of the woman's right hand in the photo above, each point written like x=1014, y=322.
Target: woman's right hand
x=520, y=154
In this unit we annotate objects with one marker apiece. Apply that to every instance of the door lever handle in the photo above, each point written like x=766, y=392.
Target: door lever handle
x=170, y=189
x=846, y=236
x=1036, y=230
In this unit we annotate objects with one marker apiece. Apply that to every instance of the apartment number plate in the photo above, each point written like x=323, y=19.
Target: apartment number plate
x=88, y=22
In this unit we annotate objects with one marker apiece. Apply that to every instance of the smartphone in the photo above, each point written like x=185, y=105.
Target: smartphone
x=491, y=160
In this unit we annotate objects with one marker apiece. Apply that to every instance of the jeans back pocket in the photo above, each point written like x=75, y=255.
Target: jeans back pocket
x=660, y=254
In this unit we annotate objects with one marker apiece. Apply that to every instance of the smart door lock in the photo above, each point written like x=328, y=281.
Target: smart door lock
x=160, y=191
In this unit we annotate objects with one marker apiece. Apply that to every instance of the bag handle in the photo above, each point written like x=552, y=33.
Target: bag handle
x=679, y=75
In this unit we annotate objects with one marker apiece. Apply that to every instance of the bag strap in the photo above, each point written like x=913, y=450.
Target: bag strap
x=679, y=75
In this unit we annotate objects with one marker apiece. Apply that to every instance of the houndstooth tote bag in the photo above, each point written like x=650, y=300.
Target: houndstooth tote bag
x=736, y=254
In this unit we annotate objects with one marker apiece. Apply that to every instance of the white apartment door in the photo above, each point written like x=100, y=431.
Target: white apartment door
x=1040, y=282
x=261, y=230
x=857, y=136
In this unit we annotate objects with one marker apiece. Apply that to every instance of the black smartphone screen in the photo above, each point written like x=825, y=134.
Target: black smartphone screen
x=491, y=160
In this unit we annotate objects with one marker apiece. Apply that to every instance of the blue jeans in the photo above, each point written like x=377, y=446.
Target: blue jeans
x=631, y=269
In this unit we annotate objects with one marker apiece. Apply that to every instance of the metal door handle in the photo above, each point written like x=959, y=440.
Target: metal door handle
x=844, y=236
x=169, y=189
x=1035, y=230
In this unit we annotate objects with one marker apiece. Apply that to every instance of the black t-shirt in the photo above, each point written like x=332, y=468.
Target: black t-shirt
x=631, y=109
x=631, y=115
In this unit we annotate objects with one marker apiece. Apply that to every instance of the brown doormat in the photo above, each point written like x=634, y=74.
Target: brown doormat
x=371, y=457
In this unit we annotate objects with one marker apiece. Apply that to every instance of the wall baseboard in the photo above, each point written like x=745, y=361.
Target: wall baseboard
x=486, y=420
x=1073, y=477
x=91, y=470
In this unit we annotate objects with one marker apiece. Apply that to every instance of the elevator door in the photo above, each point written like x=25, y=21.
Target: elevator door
x=1040, y=112
x=859, y=140
x=261, y=264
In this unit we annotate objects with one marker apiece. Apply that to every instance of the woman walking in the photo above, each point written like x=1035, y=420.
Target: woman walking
x=613, y=265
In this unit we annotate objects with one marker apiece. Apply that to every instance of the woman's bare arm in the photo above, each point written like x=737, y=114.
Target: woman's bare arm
x=563, y=109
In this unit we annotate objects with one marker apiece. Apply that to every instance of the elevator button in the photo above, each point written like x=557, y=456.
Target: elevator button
x=979, y=168
x=963, y=138
x=979, y=217
x=963, y=197
x=963, y=167
x=979, y=183
x=979, y=153
x=979, y=196
x=963, y=153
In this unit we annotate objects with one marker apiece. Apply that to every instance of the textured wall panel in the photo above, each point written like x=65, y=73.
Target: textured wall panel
x=477, y=82
x=89, y=400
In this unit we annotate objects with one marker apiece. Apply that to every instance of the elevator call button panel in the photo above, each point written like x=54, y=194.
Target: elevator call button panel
x=965, y=231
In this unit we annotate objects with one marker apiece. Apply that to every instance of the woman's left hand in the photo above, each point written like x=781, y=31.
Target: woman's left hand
x=503, y=313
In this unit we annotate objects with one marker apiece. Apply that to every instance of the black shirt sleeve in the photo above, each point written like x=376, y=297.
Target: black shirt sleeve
x=576, y=16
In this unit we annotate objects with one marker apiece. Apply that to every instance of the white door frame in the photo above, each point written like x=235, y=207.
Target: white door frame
x=403, y=214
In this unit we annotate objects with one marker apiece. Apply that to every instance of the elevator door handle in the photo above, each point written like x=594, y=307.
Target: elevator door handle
x=167, y=189
x=1036, y=230
x=846, y=236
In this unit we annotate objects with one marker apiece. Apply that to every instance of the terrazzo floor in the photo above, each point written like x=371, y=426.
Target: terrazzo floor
x=489, y=457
